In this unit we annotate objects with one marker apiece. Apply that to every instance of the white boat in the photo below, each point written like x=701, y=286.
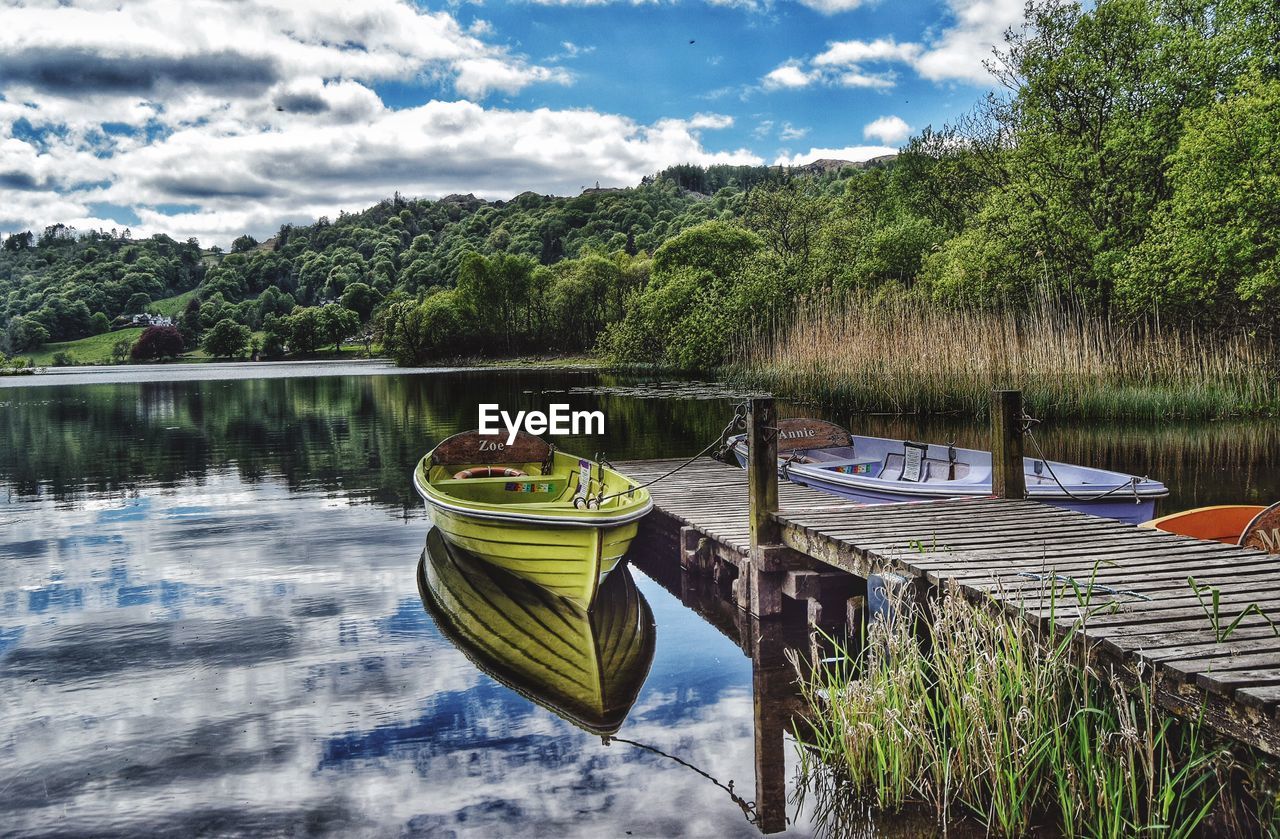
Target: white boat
x=879, y=470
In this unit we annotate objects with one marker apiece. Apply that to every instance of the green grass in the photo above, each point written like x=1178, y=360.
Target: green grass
x=171, y=306
x=96, y=349
x=1012, y=724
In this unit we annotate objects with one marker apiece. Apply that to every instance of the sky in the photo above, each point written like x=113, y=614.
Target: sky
x=206, y=119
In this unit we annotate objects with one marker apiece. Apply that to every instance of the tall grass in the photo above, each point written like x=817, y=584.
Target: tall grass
x=1008, y=724
x=896, y=354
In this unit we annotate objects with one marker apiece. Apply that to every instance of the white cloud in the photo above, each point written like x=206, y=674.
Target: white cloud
x=854, y=154
x=831, y=7
x=92, y=62
x=845, y=53
x=711, y=121
x=568, y=49
x=478, y=77
x=789, y=132
x=788, y=76
x=961, y=49
x=890, y=129
x=842, y=64
x=860, y=79
x=957, y=53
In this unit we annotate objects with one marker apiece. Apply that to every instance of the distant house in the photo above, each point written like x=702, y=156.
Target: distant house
x=151, y=320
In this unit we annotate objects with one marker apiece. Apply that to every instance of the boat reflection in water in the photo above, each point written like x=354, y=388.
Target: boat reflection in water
x=587, y=667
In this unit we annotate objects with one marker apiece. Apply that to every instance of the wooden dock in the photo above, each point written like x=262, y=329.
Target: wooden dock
x=1010, y=551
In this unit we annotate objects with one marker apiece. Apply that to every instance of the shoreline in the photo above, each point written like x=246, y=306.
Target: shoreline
x=232, y=370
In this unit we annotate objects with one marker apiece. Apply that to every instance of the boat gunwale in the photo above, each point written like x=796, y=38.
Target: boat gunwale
x=492, y=512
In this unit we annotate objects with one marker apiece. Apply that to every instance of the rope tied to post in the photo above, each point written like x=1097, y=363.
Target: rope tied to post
x=1028, y=423
x=736, y=423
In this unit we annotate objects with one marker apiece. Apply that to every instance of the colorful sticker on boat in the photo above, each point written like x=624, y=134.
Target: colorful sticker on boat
x=514, y=486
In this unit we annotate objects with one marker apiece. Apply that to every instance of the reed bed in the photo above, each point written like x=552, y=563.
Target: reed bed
x=994, y=720
x=899, y=355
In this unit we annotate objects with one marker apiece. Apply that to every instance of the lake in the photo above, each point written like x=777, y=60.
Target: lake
x=211, y=624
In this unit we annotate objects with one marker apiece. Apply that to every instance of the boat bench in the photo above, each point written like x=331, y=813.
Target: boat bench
x=860, y=465
x=932, y=469
x=499, y=488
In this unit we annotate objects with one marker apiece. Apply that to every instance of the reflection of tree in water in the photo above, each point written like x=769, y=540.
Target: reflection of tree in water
x=356, y=436
x=360, y=436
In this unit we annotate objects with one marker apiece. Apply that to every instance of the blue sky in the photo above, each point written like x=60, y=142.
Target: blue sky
x=210, y=119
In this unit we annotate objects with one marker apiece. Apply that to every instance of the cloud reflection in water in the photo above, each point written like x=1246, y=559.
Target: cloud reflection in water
x=230, y=657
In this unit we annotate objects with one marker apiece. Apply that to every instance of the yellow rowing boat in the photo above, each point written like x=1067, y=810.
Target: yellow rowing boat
x=553, y=518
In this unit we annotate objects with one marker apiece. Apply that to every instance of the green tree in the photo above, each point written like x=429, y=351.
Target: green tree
x=417, y=333
x=24, y=333
x=360, y=298
x=337, y=323
x=190, y=322
x=227, y=339
x=244, y=243
x=306, y=333
x=120, y=350
x=1214, y=250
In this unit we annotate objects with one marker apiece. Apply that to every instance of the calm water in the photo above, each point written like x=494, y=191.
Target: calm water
x=210, y=621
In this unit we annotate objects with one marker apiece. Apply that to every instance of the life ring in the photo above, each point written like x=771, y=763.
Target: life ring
x=489, y=472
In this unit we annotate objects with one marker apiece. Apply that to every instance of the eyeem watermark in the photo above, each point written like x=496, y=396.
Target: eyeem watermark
x=559, y=419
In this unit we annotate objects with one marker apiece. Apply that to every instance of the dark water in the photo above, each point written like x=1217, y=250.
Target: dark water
x=210, y=622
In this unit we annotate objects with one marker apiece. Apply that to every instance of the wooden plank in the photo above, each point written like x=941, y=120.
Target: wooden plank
x=1262, y=696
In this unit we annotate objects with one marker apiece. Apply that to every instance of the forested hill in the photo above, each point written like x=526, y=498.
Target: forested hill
x=64, y=284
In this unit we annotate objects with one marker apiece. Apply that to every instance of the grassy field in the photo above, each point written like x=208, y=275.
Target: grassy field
x=171, y=306
x=96, y=349
x=908, y=357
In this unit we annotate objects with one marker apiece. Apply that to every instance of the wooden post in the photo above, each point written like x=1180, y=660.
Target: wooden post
x=1007, y=477
x=759, y=587
x=772, y=684
x=762, y=471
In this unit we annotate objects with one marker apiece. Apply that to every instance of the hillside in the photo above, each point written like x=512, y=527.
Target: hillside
x=64, y=285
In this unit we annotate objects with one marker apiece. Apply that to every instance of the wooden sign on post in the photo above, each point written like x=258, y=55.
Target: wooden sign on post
x=803, y=433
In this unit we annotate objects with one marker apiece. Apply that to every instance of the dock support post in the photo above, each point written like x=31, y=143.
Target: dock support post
x=760, y=587
x=1008, y=480
x=772, y=685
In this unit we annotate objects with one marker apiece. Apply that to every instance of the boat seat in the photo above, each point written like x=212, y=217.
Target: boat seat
x=503, y=489
x=932, y=470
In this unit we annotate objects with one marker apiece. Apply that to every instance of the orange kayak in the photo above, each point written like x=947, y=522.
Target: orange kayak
x=1223, y=523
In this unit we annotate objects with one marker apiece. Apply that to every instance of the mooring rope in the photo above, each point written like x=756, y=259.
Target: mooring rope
x=748, y=807
x=1132, y=483
x=736, y=424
